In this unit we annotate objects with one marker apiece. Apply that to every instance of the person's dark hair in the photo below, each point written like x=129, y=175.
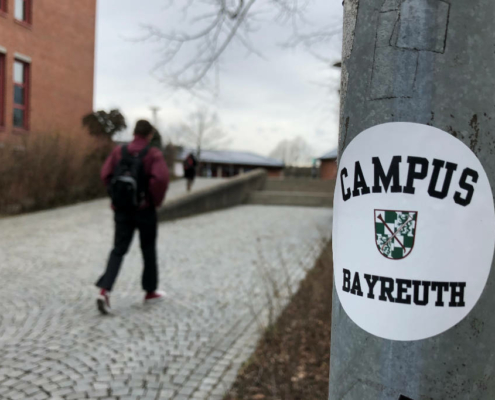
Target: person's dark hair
x=143, y=128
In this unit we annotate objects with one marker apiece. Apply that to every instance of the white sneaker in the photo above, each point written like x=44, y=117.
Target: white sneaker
x=103, y=302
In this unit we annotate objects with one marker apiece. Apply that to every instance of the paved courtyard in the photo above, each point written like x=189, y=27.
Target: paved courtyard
x=220, y=270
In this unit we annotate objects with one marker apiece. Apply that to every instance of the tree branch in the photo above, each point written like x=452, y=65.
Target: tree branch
x=225, y=21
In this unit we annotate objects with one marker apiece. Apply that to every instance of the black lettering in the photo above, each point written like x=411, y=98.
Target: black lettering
x=457, y=292
x=437, y=166
x=412, y=174
x=356, y=285
x=402, y=286
x=387, y=289
x=468, y=172
x=371, y=280
x=440, y=287
x=426, y=293
x=346, y=287
x=419, y=297
x=359, y=181
x=392, y=175
x=346, y=194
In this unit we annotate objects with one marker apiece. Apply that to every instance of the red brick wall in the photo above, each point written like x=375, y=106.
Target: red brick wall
x=275, y=173
x=328, y=169
x=61, y=45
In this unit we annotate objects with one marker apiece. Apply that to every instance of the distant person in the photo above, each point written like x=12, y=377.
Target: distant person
x=136, y=177
x=190, y=164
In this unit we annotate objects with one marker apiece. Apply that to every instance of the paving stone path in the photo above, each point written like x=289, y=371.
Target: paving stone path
x=220, y=270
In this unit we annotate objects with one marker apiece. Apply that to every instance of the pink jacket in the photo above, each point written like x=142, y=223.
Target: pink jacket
x=154, y=165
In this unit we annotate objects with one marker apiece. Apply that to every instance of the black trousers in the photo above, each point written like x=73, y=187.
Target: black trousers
x=145, y=221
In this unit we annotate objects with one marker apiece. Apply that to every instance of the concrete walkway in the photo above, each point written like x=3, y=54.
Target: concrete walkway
x=218, y=268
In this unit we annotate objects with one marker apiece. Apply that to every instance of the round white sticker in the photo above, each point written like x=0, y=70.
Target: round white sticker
x=413, y=231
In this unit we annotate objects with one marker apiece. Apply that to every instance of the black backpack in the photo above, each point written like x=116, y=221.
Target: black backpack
x=189, y=162
x=129, y=185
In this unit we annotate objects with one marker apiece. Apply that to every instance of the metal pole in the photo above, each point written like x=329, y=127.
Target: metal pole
x=154, y=111
x=429, y=62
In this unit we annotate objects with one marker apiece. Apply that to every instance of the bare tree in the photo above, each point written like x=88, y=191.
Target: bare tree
x=293, y=152
x=104, y=124
x=191, y=56
x=201, y=130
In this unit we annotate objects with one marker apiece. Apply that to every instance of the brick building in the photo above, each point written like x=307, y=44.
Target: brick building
x=46, y=65
x=328, y=166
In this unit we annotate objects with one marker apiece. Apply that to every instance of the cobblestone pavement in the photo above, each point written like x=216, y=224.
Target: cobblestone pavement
x=220, y=270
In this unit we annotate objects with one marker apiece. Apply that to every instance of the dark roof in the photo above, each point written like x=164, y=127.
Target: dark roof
x=331, y=155
x=234, y=157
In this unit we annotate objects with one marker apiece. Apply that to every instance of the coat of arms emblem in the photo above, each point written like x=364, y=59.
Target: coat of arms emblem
x=395, y=232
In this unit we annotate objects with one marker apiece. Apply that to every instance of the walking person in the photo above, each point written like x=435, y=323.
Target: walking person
x=136, y=177
x=190, y=164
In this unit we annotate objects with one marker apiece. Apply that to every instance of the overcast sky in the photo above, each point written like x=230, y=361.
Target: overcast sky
x=261, y=101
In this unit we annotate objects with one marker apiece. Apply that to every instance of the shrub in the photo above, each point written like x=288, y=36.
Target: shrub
x=41, y=171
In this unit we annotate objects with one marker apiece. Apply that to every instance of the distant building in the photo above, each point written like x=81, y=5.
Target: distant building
x=328, y=166
x=226, y=163
x=46, y=65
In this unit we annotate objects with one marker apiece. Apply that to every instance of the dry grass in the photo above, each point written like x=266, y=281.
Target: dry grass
x=291, y=361
x=46, y=170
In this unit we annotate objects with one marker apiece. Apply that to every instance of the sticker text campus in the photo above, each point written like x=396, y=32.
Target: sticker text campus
x=417, y=170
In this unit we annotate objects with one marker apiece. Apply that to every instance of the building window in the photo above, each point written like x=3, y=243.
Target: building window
x=21, y=95
x=23, y=10
x=3, y=6
x=2, y=90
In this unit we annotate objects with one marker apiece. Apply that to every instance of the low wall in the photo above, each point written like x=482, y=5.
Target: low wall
x=229, y=193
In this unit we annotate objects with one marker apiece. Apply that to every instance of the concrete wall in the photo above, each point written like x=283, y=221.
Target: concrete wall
x=232, y=192
x=328, y=169
x=60, y=43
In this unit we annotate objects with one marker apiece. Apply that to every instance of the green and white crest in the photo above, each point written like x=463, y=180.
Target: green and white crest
x=395, y=232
